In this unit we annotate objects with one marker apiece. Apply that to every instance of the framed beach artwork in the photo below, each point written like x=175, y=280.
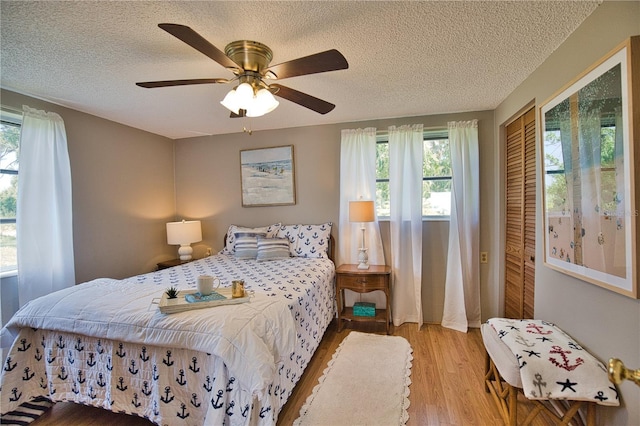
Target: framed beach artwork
x=268, y=176
x=590, y=157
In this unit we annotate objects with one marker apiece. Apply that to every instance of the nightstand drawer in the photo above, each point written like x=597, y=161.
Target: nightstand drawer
x=363, y=282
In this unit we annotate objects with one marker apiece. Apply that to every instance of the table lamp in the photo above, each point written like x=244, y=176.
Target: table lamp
x=184, y=233
x=362, y=211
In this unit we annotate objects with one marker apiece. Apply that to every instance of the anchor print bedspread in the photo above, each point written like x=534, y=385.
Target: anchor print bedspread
x=553, y=365
x=104, y=343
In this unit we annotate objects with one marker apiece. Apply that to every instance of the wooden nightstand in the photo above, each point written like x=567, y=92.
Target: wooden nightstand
x=377, y=277
x=173, y=262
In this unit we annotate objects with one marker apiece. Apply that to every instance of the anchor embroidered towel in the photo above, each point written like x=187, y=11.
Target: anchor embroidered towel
x=553, y=365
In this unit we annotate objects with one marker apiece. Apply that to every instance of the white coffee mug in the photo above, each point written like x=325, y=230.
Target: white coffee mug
x=206, y=283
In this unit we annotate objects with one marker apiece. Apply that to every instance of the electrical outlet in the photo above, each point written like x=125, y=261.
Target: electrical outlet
x=484, y=257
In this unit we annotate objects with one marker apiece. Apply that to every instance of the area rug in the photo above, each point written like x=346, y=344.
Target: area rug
x=365, y=383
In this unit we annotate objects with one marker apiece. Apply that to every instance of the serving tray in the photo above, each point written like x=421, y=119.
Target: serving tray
x=180, y=304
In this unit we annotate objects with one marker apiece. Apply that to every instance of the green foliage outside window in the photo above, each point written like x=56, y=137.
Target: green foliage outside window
x=436, y=193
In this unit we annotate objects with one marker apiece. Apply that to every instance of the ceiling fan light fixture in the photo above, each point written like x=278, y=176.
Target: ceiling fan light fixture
x=244, y=92
x=262, y=104
x=231, y=101
x=255, y=105
x=238, y=98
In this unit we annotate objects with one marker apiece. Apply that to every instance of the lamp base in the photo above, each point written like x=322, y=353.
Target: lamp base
x=363, y=259
x=185, y=251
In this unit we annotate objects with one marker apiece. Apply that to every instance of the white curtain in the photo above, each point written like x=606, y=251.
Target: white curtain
x=358, y=181
x=44, y=216
x=462, y=284
x=405, y=192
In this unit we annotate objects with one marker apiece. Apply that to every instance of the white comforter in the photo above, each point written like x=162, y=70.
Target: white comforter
x=252, y=341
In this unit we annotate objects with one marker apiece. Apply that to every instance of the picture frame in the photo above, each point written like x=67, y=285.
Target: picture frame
x=590, y=134
x=268, y=176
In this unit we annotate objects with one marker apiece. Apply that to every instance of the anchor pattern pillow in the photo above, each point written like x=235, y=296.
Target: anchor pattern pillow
x=307, y=240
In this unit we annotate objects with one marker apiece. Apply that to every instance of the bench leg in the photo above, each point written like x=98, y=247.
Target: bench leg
x=513, y=405
x=487, y=369
x=591, y=414
x=505, y=396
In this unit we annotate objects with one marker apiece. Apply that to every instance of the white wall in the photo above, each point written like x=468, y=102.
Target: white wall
x=606, y=323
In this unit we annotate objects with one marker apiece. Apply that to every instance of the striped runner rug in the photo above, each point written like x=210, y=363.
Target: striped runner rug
x=27, y=412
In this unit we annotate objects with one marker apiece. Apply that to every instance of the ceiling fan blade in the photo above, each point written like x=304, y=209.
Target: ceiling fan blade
x=169, y=83
x=241, y=113
x=329, y=60
x=195, y=40
x=307, y=101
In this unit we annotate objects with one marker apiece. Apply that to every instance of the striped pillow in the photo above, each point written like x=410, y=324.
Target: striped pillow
x=246, y=244
x=230, y=239
x=272, y=248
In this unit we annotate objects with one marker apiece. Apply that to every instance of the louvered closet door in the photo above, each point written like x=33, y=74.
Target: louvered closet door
x=520, y=217
x=529, y=212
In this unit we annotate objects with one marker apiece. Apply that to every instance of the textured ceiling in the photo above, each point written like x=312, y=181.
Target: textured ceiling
x=405, y=58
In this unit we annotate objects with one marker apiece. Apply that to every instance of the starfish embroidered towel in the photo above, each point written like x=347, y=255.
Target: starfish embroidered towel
x=553, y=365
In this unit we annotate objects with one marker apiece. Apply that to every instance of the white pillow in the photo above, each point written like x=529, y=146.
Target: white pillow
x=307, y=240
x=230, y=247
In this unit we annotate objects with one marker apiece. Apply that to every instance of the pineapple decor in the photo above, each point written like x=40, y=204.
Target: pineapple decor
x=172, y=292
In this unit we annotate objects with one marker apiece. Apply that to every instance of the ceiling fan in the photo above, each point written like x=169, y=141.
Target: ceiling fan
x=249, y=62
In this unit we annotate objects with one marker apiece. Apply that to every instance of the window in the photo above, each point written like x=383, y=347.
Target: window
x=436, y=181
x=9, y=147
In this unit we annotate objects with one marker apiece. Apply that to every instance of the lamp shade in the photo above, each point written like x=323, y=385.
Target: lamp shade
x=245, y=94
x=185, y=232
x=263, y=103
x=231, y=101
x=361, y=211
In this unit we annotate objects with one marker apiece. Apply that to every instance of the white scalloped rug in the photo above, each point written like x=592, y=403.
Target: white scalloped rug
x=365, y=383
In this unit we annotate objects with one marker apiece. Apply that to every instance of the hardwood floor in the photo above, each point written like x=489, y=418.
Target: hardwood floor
x=447, y=383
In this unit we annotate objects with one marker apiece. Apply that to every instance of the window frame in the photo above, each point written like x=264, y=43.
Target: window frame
x=15, y=119
x=427, y=134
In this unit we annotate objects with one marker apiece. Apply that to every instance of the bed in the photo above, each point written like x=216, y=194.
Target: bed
x=105, y=343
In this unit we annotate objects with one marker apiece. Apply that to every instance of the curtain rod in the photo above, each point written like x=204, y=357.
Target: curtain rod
x=424, y=129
